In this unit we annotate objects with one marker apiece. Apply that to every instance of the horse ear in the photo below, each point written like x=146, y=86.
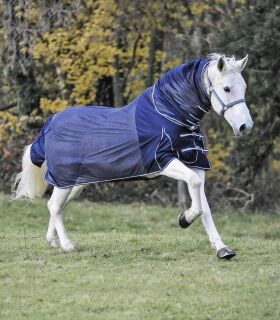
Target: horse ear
x=242, y=63
x=221, y=64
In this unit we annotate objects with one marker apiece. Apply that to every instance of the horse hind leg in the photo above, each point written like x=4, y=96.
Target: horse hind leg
x=75, y=192
x=56, y=226
x=52, y=236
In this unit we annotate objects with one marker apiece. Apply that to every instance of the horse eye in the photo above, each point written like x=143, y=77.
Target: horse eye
x=227, y=89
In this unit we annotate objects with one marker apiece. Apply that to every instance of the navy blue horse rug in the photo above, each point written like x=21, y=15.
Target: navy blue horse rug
x=84, y=145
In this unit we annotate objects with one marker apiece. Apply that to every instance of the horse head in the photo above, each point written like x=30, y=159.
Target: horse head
x=227, y=88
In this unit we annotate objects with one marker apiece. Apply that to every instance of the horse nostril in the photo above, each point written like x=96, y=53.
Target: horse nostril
x=242, y=127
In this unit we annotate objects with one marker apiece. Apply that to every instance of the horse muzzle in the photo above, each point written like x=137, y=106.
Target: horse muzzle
x=244, y=129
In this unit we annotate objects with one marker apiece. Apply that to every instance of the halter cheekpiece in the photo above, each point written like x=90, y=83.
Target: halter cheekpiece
x=225, y=107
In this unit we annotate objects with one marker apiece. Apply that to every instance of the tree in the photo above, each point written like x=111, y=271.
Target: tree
x=19, y=70
x=256, y=31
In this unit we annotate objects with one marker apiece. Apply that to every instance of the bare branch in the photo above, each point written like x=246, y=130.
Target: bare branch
x=132, y=60
x=242, y=196
x=6, y=107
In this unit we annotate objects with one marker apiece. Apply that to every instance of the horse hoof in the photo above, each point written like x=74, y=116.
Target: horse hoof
x=225, y=254
x=54, y=243
x=183, y=223
x=70, y=247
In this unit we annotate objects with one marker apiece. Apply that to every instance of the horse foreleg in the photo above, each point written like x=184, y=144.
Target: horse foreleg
x=223, y=252
x=195, y=179
x=177, y=170
x=55, y=206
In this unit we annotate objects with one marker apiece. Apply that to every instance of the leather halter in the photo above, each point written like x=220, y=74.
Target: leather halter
x=225, y=107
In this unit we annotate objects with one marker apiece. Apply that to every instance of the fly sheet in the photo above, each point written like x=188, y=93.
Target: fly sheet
x=83, y=145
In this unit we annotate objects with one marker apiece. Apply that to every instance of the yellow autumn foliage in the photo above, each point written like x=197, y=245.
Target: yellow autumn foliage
x=53, y=106
x=85, y=53
x=72, y=61
x=217, y=155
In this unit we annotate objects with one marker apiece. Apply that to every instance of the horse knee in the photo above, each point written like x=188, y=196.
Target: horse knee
x=195, y=181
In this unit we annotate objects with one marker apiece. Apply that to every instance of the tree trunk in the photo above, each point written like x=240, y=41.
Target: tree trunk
x=20, y=65
x=151, y=58
x=117, y=84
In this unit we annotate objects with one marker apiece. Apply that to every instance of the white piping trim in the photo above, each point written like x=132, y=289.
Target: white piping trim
x=194, y=124
x=197, y=148
x=155, y=157
x=194, y=117
x=169, y=139
x=164, y=115
x=191, y=134
x=172, y=148
x=190, y=162
x=204, y=145
x=202, y=109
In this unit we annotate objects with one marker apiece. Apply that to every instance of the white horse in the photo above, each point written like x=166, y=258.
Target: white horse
x=226, y=88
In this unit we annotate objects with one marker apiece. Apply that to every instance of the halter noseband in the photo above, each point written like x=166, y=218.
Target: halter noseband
x=225, y=107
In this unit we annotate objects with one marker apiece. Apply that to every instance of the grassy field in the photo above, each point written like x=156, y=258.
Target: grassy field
x=136, y=263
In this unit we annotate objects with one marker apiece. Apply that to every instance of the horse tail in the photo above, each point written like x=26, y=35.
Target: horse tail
x=29, y=183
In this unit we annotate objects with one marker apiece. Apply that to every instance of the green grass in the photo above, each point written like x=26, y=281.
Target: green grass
x=136, y=263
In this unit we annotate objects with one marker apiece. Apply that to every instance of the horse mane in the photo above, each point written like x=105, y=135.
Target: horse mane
x=216, y=56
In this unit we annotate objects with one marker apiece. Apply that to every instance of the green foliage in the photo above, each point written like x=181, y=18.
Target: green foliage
x=256, y=31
